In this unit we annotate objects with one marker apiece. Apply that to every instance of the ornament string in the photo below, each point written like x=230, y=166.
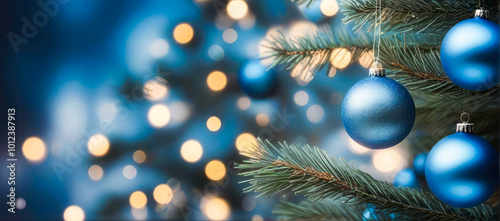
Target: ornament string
x=377, y=32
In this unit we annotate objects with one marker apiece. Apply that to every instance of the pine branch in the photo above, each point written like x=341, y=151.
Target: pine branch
x=303, y=2
x=434, y=17
x=311, y=172
x=318, y=210
x=312, y=52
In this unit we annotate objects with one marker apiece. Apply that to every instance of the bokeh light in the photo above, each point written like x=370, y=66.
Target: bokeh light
x=34, y=150
x=138, y=199
x=332, y=72
x=249, y=203
x=230, y=35
x=139, y=156
x=357, y=148
x=244, y=103
x=216, y=209
x=340, y=58
x=244, y=141
x=215, y=170
x=155, y=89
x=366, y=59
x=386, y=160
x=98, y=145
x=95, y=172
x=183, y=33
x=216, y=81
x=213, y=123
x=163, y=194
x=20, y=203
x=140, y=214
x=216, y=52
x=74, y=213
x=301, y=98
x=159, y=48
x=315, y=113
x=329, y=7
x=237, y=9
x=262, y=119
x=159, y=115
x=191, y=151
x=257, y=218
x=129, y=172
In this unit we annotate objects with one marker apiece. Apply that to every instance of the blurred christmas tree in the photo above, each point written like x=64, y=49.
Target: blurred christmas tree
x=410, y=40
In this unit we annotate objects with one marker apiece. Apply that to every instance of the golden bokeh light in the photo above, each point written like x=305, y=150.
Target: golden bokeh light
x=213, y=123
x=98, y=145
x=159, y=115
x=257, y=218
x=163, y=194
x=230, y=35
x=357, y=148
x=386, y=160
x=244, y=103
x=34, y=149
x=183, y=33
x=340, y=58
x=74, y=213
x=329, y=7
x=155, y=89
x=215, y=170
x=191, y=151
x=262, y=119
x=216, y=81
x=237, y=9
x=245, y=141
x=139, y=156
x=216, y=209
x=332, y=72
x=366, y=59
x=95, y=172
x=138, y=199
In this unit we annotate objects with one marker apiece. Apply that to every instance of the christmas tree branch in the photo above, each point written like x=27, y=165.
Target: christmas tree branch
x=318, y=210
x=311, y=53
x=304, y=2
x=434, y=17
x=313, y=173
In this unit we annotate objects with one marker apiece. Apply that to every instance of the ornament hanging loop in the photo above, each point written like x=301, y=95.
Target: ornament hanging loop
x=466, y=115
x=465, y=126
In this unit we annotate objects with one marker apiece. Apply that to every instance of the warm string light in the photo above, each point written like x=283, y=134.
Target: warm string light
x=139, y=156
x=191, y=151
x=159, y=115
x=213, y=123
x=95, y=172
x=34, y=150
x=244, y=141
x=74, y=213
x=216, y=208
x=163, y=194
x=216, y=81
x=215, y=170
x=183, y=33
x=138, y=199
x=98, y=145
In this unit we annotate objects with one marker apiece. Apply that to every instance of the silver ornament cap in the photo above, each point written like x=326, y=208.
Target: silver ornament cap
x=378, y=72
x=465, y=128
x=482, y=13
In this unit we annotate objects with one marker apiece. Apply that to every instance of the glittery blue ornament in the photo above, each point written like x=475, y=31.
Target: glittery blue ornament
x=378, y=112
x=256, y=81
x=419, y=164
x=470, y=53
x=406, y=178
x=462, y=168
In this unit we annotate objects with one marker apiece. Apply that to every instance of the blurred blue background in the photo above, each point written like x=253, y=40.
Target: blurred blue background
x=136, y=109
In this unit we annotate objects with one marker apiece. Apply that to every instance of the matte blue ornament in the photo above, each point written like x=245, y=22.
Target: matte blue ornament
x=406, y=178
x=378, y=112
x=371, y=213
x=256, y=81
x=462, y=168
x=470, y=53
x=419, y=164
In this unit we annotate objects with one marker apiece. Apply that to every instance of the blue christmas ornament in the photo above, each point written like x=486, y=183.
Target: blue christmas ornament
x=378, y=112
x=470, y=53
x=256, y=81
x=419, y=164
x=462, y=168
x=406, y=178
